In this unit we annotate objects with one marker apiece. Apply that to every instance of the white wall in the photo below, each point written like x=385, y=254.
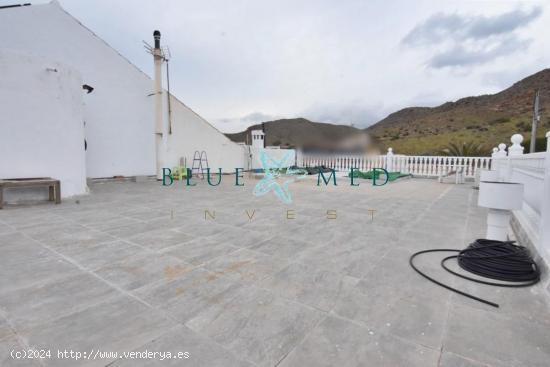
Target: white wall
x=118, y=113
x=41, y=121
x=190, y=133
x=276, y=155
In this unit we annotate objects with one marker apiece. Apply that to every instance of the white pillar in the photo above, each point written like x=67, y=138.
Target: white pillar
x=497, y=224
x=157, y=89
x=501, y=150
x=500, y=198
x=516, y=148
x=495, y=153
x=545, y=207
x=499, y=163
x=389, y=160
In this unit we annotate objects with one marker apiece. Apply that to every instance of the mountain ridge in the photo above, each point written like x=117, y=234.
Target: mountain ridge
x=484, y=120
x=487, y=119
x=297, y=132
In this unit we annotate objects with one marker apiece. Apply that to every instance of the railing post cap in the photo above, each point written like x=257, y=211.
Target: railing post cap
x=548, y=135
x=495, y=149
x=516, y=139
x=502, y=146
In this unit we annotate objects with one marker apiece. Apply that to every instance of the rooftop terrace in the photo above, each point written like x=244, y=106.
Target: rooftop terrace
x=136, y=266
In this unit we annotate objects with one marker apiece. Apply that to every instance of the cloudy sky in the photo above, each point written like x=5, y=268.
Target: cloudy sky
x=351, y=62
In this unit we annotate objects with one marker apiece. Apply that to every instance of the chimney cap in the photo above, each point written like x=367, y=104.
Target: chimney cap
x=156, y=36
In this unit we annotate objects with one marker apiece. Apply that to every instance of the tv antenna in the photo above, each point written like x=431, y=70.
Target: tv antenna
x=164, y=51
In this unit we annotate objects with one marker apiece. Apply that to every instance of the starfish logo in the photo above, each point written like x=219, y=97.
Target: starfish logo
x=278, y=176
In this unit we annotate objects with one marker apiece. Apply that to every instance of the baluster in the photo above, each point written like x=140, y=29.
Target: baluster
x=426, y=165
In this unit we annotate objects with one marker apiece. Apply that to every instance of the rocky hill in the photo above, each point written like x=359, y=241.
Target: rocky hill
x=300, y=132
x=487, y=119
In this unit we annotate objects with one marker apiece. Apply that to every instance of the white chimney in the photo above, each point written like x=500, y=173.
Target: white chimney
x=258, y=137
x=157, y=89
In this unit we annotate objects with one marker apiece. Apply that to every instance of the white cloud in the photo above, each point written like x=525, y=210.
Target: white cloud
x=465, y=40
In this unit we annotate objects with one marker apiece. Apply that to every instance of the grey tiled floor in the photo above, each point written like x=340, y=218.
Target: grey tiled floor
x=136, y=266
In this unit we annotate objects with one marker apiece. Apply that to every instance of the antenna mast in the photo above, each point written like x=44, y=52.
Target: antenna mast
x=536, y=119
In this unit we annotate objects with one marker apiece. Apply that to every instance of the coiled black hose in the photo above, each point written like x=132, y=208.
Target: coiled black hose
x=503, y=261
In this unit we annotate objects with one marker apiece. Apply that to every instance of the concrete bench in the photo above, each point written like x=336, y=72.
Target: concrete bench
x=54, y=186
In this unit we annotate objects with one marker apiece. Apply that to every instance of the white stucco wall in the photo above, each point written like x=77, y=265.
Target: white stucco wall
x=190, y=133
x=118, y=113
x=41, y=121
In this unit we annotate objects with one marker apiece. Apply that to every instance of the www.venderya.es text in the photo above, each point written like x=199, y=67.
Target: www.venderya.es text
x=94, y=354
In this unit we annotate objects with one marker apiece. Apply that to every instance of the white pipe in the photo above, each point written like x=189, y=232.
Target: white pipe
x=159, y=128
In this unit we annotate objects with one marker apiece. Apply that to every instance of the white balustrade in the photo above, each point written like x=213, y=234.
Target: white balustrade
x=425, y=166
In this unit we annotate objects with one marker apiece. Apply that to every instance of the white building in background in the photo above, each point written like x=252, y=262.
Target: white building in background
x=275, y=155
x=46, y=115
